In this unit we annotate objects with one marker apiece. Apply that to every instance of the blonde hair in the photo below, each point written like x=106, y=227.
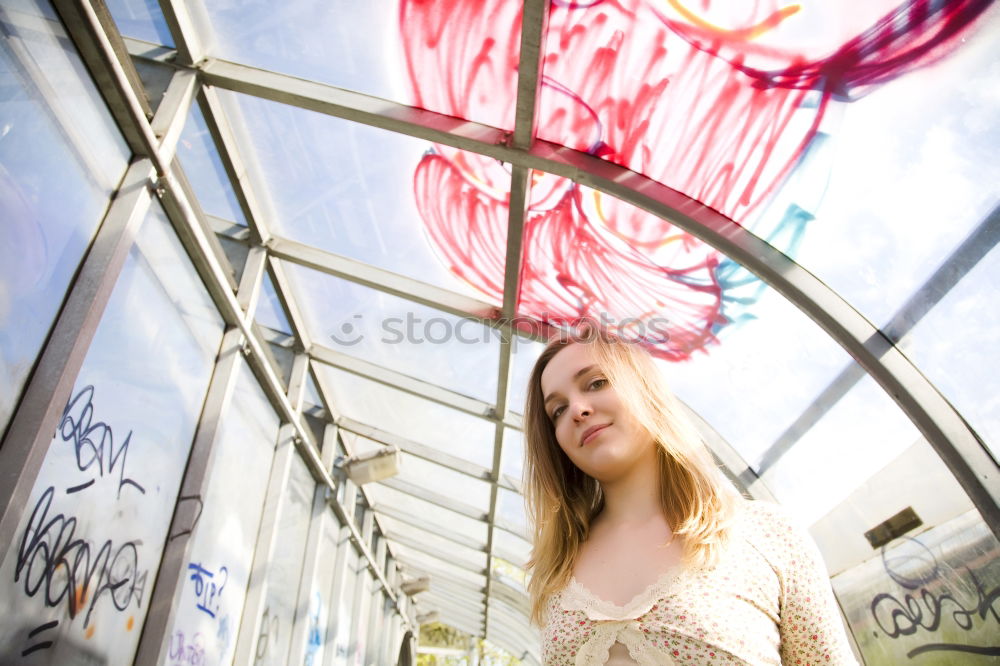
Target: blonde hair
x=562, y=501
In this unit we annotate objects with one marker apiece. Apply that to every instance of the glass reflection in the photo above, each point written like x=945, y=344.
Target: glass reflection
x=510, y=507
x=270, y=312
x=142, y=19
x=209, y=606
x=115, y=465
x=929, y=595
x=458, y=354
x=859, y=435
x=399, y=532
x=340, y=186
x=430, y=476
x=954, y=345
x=512, y=456
x=406, y=415
x=285, y=567
x=203, y=167
x=61, y=158
x=389, y=497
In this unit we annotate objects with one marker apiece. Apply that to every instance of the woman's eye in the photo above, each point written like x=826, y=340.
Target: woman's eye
x=598, y=383
x=556, y=412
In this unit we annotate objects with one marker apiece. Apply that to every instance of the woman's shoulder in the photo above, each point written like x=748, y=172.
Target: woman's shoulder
x=773, y=531
x=763, y=514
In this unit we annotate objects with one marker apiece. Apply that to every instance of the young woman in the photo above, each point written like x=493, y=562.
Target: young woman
x=643, y=553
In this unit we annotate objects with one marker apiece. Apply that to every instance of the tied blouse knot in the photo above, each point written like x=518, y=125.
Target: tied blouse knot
x=767, y=601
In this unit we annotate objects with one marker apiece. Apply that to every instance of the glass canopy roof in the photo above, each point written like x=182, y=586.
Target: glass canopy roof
x=792, y=205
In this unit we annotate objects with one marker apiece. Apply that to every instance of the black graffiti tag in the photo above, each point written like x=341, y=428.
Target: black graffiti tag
x=53, y=562
x=923, y=608
x=94, y=442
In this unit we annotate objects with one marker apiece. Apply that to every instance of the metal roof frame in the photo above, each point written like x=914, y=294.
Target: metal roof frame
x=199, y=76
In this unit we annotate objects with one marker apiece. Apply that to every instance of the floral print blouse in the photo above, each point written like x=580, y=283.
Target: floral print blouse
x=767, y=601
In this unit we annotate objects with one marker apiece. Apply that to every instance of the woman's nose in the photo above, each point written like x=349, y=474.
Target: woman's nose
x=581, y=409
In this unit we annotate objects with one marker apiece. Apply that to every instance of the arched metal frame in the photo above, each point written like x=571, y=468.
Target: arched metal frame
x=945, y=429
x=153, y=142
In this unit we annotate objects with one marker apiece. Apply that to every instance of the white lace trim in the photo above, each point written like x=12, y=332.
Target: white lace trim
x=576, y=597
x=596, y=651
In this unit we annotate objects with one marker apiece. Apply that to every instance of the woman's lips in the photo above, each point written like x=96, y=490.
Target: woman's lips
x=591, y=432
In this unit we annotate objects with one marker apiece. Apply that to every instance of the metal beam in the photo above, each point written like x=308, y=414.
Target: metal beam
x=514, y=598
x=358, y=107
x=167, y=588
x=105, y=54
x=198, y=242
x=958, y=264
x=534, y=20
x=226, y=127
x=383, y=280
x=181, y=24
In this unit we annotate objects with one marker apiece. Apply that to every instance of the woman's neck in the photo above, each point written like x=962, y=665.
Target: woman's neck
x=635, y=498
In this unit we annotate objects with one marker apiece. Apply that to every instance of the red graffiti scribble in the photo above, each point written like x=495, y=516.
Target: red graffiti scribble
x=718, y=100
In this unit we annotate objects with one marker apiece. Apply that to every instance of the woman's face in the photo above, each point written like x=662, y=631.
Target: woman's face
x=593, y=427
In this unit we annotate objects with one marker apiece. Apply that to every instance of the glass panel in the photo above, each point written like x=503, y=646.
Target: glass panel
x=525, y=353
x=724, y=100
x=431, y=476
x=858, y=436
x=777, y=341
x=929, y=596
x=408, y=416
x=509, y=616
x=350, y=189
x=345, y=597
x=61, y=158
x=270, y=312
x=469, y=611
x=512, y=456
x=285, y=567
x=433, y=567
x=514, y=548
x=142, y=19
x=687, y=302
x=399, y=530
x=382, y=496
x=960, y=358
x=321, y=620
x=209, y=606
x=381, y=49
x=356, y=654
x=112, y=473
x=312, y=399
x=912, y=172
x=396, y=333
x=203, y=167
x=510, y=507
